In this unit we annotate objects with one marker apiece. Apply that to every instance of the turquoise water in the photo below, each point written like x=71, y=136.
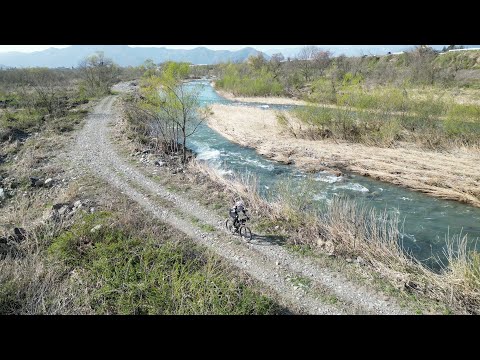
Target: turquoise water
x=425, y=220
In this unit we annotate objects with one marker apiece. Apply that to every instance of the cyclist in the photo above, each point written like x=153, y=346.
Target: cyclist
x=234, y=212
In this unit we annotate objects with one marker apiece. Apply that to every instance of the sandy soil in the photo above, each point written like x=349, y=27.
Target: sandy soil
x=453, y=175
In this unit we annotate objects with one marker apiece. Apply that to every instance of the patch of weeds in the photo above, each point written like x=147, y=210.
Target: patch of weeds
x=174, y=188
x=129, y=274
x=72, y=245
x=331, y=299
x=301, y=281
x=268, y=226
x=302, y=249
x=217, y=206
x=208, y=228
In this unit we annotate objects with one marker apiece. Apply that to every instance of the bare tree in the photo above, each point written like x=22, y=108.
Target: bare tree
x=321, y=60
x=305, y=59
x=99, y=73
x=173, y=106
x=275, y=64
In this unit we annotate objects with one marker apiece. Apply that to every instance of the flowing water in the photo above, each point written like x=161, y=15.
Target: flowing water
x=425, y=220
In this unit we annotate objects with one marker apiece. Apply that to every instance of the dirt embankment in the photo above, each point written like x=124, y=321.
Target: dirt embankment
x=453, y=175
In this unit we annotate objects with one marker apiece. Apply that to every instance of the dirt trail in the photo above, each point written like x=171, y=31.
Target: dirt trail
x=453, y=175
x=267, y=262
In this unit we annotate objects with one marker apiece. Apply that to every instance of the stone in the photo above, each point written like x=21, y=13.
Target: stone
x=277, y=263
x=360, y=260
x=33, y=180
x=320, y=242
x=19, y=234
x=92, y=209
x=330, y=248
x=2, y=194
x=348, y=260
x=77, y=204
x=96, y=228
x=159, y=163
x=59, y=206
x=63, y=210
x=49, y=182
x=39, y=183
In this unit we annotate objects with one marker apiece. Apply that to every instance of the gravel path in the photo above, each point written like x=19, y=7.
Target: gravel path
x=299, y=282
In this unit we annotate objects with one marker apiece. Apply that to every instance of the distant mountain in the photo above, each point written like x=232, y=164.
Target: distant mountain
x=122, y=55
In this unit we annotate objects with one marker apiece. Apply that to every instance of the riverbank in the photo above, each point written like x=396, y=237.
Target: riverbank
x=271, y=100
x=453, y=175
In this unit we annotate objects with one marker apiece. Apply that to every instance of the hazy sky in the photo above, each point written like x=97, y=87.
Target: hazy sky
x=30, y=48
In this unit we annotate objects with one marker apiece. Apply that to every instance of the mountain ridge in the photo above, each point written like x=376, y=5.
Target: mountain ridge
x=123, y=55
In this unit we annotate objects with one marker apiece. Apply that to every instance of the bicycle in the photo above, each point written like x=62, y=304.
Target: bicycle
x=242, y=229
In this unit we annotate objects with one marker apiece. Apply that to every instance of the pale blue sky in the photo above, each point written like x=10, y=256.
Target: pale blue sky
x=31, y=48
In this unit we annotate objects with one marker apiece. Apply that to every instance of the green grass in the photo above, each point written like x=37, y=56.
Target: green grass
x=128, y=274
x=255, y=83
x=24, y=120
x=459, y=60
x=385, y=116
x=302, y=249
x=208, y=228
x=301, y=281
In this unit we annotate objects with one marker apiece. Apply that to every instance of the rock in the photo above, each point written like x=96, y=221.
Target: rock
x=49, y=182
x=19, y=234
x=320, y=242
x=63, y=210
x=59, y=206
x=277, y=227
x=33, y=180
x=77, y=204
x=348, y=260
x=2, y=194
x=160, y=163
x=360, y=261
x=330, y=247
x=96, y=228
x=38, y=182
x=92, y=209
x=277, y=263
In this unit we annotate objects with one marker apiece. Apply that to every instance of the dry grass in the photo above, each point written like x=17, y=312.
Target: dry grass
x=33, y=286
x=348, y=229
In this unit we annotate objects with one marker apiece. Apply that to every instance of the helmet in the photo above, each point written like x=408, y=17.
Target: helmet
x=240, y=203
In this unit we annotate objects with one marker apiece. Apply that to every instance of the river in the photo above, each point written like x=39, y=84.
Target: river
x=425, y=220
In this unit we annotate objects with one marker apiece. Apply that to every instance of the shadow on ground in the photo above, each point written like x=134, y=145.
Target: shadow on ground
x=269, y=239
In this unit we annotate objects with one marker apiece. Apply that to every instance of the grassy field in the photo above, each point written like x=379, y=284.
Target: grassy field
x=118, y=261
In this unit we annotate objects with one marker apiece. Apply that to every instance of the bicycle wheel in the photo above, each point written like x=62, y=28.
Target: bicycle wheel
x=246, y=233
x=229, y=225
